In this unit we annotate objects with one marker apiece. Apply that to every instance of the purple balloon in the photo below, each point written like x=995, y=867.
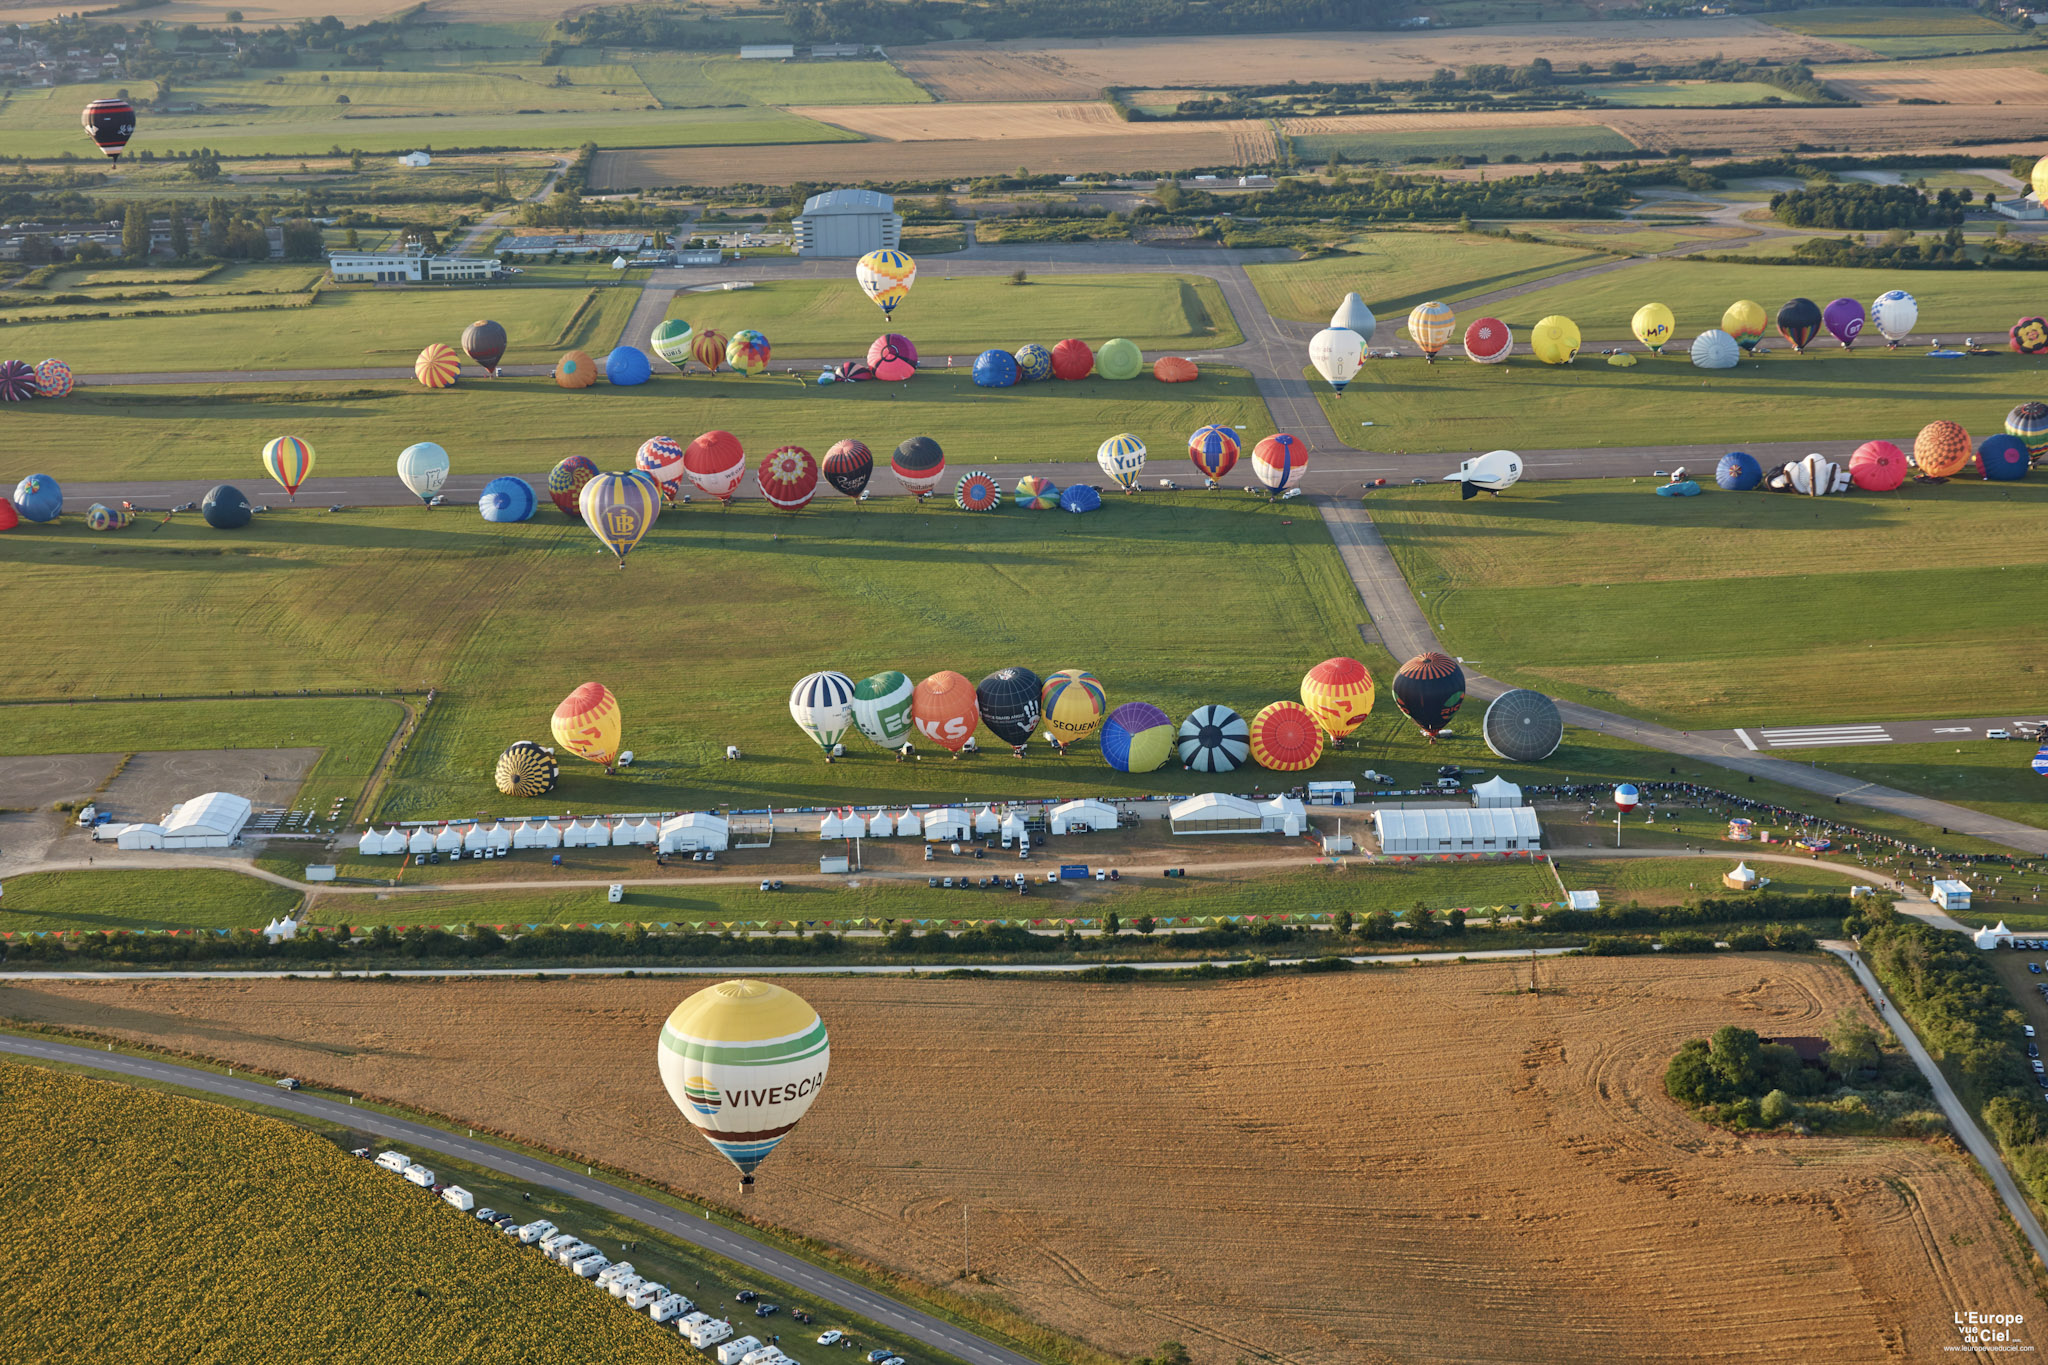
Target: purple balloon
x=1844, y=320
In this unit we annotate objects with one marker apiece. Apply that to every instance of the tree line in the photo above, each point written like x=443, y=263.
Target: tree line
x=1859, y=206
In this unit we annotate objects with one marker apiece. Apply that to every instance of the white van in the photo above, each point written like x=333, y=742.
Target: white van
x=393, y=1161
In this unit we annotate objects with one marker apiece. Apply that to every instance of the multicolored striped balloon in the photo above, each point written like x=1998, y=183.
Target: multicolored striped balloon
x=437, y=366
x=747, y=352
x=1214, y=450
x=977, y=492
x=1286, y=738
x=708, y=350
x=744, y=1061
x=1431, y=324
x=54, y=379
x=1037, y=494
x=289, y=460
x=1073, y=704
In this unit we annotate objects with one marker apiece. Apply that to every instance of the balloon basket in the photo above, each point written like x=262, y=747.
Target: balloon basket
x=746, y=1184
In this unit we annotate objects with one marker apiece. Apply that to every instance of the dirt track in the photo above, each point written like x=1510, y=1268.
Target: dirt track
x=1424, y=1165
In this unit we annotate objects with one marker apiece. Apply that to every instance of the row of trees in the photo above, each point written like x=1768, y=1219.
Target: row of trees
x=1738, y=1079
x=1858, y=206
x=901, y=21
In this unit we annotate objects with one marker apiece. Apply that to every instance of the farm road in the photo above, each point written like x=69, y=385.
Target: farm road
x=733, y=1245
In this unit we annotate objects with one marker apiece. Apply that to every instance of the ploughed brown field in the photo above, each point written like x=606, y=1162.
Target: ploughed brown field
x=1414, y=1165
x=1870, y=84
x=1879, y=128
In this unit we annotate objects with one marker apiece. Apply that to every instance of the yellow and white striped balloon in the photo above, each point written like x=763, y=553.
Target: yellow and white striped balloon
x=744, y=1061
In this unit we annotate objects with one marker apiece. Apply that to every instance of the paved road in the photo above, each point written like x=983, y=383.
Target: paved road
x=733, y=1245
x=1980, y=1146
x=1847, y=736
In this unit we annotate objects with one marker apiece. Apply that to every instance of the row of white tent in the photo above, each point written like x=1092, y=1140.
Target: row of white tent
x=953, y=822
x=692, y=832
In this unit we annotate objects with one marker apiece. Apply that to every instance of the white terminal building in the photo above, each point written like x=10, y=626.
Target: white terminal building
x=408, y=267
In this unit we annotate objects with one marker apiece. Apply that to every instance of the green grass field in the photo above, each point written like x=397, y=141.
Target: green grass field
x=1735, y=608
x=1689, y=94
x=254, y=1239
x=1824, y=395
x=1659, y=881
x=161, y=898
x=1984, y=775
x=956, y=316
x=1394, y=271
x=1886, y=21
x=524, y=426
x=686, y=80
x=1395, y=148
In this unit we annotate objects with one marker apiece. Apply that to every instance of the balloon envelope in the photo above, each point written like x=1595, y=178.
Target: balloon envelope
x=942, y=707
x=821, y=704
x=1175, y=369
x=1213, y=449
x=1008, y=700
x=1522, y=726
x=662, y=457
x=1137, y=737
x=1941, y=449
x=2029, y=422
x=1037, y=494
x=848, y=466
x=1073, y=704
x=1738, y=472
x=109, y=123
x=575, y=370
x=17, y=381
x=1122, y=457
x=1430, y=325
x=1653, y=325
x=1844, y=320
x=627, y=366
x=1278, y=459
x=1714, y=349
x=886, y=276
x=671, y=341
x=892, y=357
x=484, y=340
x=566, y=480
x=1895, y=313
x=881, y=708
x=423, y=468
x=1214, y=739
x=2029, y=336
x=526, y=769
x=715, y=463
x=1034, y=362
x=54, y=379
x=918, y=463
x=1554, y=340
x=1798, y=322
x=9, y=518
x=1429, y=689
x=225, y=508
x=1744, y=321
x=1286, y=738
x=620, y=509
x=995, y=369
x=1079, y=497
x=1072, y=359
x=507, y=499
x=589, y=723
x=1489, y=341
x=744, y=1061
x=707, y=348
x=437, y=366
x=289, y=461
x=1119, y=358
x=1339, y=694
x=747, y=352
x=1336, y=352
x=1353, y=315
x=2003, y=457
x=789, y=478
x=977, y=491
x=38, y=498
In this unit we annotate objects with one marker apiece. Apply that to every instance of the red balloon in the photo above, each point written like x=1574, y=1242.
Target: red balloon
x=1877, y=467
x=715, y=463
x=944, y=709
x=1072, y=359
x=789, y=477
x=9, y=518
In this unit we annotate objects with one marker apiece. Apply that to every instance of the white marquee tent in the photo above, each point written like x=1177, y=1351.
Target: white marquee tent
x=214, y=820
x=882, y=825
x=139, y=836
x=950, y=823
x=1497, y=793
x=694, y=832
x=1077, y=817
x=1456, y=829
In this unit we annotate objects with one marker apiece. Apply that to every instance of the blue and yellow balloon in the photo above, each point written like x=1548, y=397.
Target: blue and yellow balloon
x=620, y=509
x=886, y=276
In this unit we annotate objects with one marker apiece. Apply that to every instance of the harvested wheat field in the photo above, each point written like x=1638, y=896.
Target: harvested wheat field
x=1884, y=128
x=1981, y=85
x=1423, y=1165
x=1175, y=147
x=1024, y=122
x=1354, y=124
x=1068, y=69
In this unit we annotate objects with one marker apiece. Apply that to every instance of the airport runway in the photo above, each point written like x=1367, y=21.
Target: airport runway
x=1871, y=733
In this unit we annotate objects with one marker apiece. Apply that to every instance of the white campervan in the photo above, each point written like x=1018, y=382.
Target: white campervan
x=394, y=1161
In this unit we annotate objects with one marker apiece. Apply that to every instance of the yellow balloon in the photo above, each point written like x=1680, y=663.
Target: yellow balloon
x=1653, y=325
x=2041, y=180
x=1744, y=321
x=588, y=723
x=1555, y=340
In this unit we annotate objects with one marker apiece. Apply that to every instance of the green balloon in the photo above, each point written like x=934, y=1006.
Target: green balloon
x=1119, y=359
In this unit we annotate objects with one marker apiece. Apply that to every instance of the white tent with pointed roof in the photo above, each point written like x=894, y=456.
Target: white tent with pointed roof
x=987, y=821
x=422, y=841
x=1993, y=938
x=1496, y=792
x=448, y=840
x=909, y=823
x=881, y=825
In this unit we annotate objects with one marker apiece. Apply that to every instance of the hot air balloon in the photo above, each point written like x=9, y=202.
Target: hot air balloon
x=2029, y=336
x=821, y=704
x=1072, y=359
x=54, y=379
x=881, y=708
x=848, y=467
x=1430, y=325
x=1522, y=726
x=1714, y=349
x=918, y=464
x=661, y=457
x=226, y=508
x=1844, y=320
x=423, y=468
x=1878, y=467
x=892, y=357
x=1489, y=341
x=620, y=509
x=100, y=517
x=977, y=491
x=671, y=341
x=1894, y=313
x=1034, y=363
x=1941, y=450
x=1278, y=459
x=708, y=350
x=566, y=480
x=526, y=769
x=1494, y=472
x=1119, y=358
x=1745, y=321
x=1798, y=321
x=1339, y=693
x=2039, y=180
x=1429, y=689
x=290, y=462
x=1214, y=739
x=1122, y=458
x=1035, y=494
x=1353, y=315
x=484, y=340
x=886, y=276
x=1137, y=737
x=747, y=352
x=942, y=708
x=715, y=462
x=1213, y=449
x=1286, y=738
x=1008, y=702
x=744, y=1061
x=39, y=498
x=789, y=478
x=627, y=367
x=507, y=498
x=1175, y=369
x=2029, y=422
x=2003, y=457
x=1653, y=326
x=1073, y=704
x=995, y=369
x=1336, y=352
x=9, y=518
x=575, y=370
x=1738, y=472
x=1079, y=497
x=437, y=366
x=1554, y=340
x=17, y=381
x=588, y=722
x=109, y=123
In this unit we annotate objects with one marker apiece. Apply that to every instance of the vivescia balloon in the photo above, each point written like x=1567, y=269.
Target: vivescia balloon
x=289, y=461
x=886, y=276
x=1894, y=313
x=1073, y=704
x=1339, y=694
x=620, y=509
x=109, y=123
x=1431, y=324
x=1122, y=458
x=744, y=1061
x=821, y=704
x=1336, y=352
x=881, y=708
x=1653, y=326
x=1745, y=321
x=671, y=341
x=423, y=468
x=1554, y=340
x=588, y=723
x=484, y=340
x=1009, y=700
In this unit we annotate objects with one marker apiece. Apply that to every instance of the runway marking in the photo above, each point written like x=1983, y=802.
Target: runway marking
x=1824, y=736
x=1747, y=742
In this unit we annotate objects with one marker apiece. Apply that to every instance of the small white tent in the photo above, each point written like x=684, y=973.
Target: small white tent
x=1993, y=938
x=371, y=845
x=448, y=840
x=1078, y=817
x=837, y=826
x=694, y=832
x=500, y=836
x=394, y=840
x=1283, y=815
x=422, y=841
x=881, y=826
x=987, y=821
x=139, y=836
x=476, y=839
x=642, y=831
x=908, y=824
x=524, y=835
x=547, y=835
x=1496, y=793
x=1014, y=829
x=950, y=823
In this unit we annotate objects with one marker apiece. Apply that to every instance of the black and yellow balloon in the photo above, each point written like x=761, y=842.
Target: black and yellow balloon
x=526, y=769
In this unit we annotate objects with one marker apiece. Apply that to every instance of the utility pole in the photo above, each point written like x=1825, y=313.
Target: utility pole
x=966, y=1261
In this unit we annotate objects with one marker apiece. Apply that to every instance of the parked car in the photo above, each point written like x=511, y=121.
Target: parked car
x=879, y=1354
x=831, y=1338
x=766, y=1310
x=2027, y=1030
x=745, y=1296
x=1998, y=734
x=2033, y=1049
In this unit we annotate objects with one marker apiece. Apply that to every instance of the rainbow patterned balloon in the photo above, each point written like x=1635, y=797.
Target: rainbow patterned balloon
x=744, y=1062
x=1214, y=450
x=1073, y=704
x=1037, y=494
x=747, y=352
x=289, y=460
x=53, y=379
